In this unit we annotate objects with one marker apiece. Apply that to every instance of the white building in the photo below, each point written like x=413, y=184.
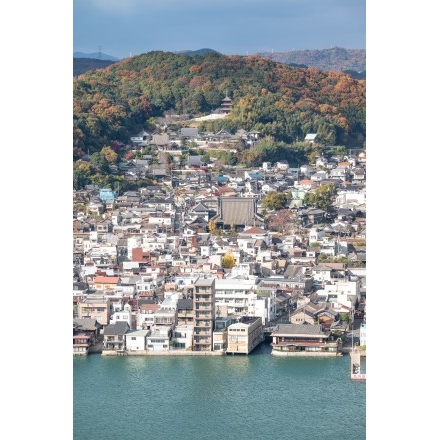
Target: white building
x=343, y=292
x=232, y=296
x=159, y=339
x=126, y=315
x=182, y=337
x=136, y=340
x=363, y=334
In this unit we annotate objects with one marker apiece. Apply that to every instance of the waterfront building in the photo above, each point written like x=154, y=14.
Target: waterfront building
x=204, y=306
x=81, y=344
x=158, y=338
x=220, y=334
x=363, y=334
x=114, y=336
x=136, y=340
x=182, y=337
x=245, y=335
x=303, y=339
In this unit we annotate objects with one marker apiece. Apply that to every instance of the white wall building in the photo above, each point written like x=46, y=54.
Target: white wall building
x=182, y=337
x=159, y=339
x=232, y=296
x=363, y=334
x=136, y=340
x=124, y=315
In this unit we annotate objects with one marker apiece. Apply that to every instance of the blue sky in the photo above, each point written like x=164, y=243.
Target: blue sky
x=233, y=27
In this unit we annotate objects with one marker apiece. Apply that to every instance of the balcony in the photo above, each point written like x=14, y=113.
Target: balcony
x=204, y=298
x=202, y=317
x=203, y=324
x=207, y=307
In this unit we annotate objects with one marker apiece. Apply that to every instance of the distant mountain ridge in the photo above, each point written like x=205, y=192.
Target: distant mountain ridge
x=95, y=56
x=333, y=59
x=196, y=52
x=350, y=61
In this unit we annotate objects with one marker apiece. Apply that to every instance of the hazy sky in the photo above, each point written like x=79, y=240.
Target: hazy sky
x=130, y=27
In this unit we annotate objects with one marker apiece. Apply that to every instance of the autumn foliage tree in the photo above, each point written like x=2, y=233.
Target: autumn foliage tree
x=110, y=155
x=282, y=220
x=228, y=261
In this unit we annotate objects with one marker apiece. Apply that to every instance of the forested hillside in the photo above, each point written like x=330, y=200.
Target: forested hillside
x=83, y=65
x=278, y=100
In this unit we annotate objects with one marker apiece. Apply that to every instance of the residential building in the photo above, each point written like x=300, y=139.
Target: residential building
x=363, y=334
x=233, y=296
x=182, y=337
x=96, y=308
x=136, y=340
x=220, y=334
x=114, y=336
x=158, y=338
x=124, y=315
x=204, y=308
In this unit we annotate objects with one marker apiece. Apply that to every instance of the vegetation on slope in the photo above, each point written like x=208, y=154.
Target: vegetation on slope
x=280, y=101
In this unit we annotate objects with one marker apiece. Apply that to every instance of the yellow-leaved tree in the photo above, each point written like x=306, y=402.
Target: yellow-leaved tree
x=228, y=261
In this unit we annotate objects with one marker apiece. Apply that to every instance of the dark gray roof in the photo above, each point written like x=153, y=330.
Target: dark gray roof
x=184, y=303
x=80, y=285
x=118, y=328
x=200, y=207
x=292, y=271
x=189, y=132
x=85, y=324
x=238, y=211
x=298, y=329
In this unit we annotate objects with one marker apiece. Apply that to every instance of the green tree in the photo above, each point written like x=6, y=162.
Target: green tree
x=99, y=162
x=345, y=317
x=323, y=197
x=81, y=175
x=273, y=200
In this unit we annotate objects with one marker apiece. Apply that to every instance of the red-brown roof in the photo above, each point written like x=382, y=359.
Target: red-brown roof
x=107, y=280
x=254, y=230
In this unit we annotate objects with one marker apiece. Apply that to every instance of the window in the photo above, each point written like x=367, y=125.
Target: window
x=133, y=338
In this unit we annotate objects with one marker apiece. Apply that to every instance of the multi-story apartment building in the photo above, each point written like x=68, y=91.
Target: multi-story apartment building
x=233, y=296
x=204, y=307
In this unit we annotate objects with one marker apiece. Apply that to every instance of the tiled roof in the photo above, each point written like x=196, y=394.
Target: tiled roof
x=254, y=230
x=238, y=211
x=184, y=303
x=298, y=329
x=118, y=328
x=108, y=280
x=86, y=323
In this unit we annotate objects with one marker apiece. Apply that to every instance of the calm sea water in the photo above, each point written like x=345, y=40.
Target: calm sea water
x=258, y=396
